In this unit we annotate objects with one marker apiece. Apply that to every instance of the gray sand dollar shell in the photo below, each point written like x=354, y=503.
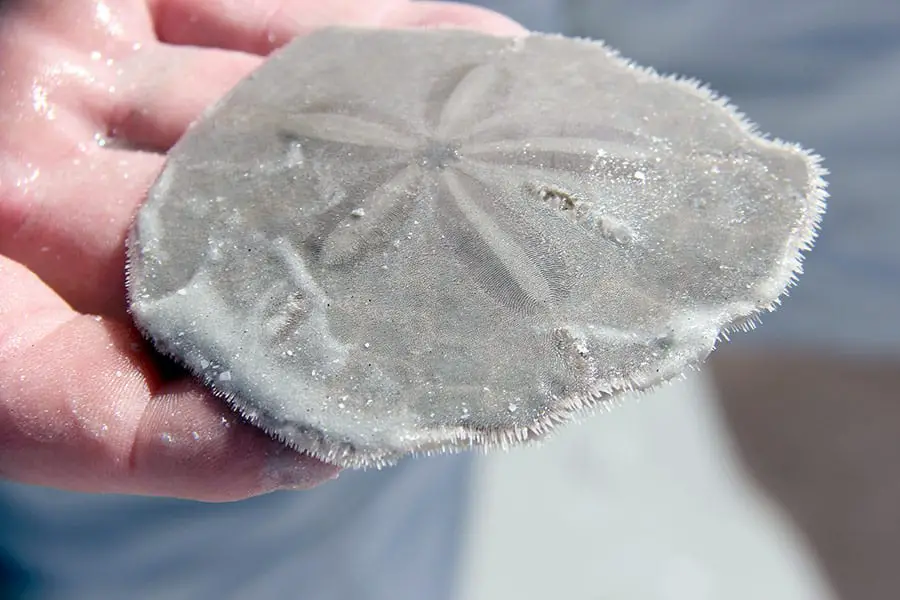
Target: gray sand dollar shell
x=384, y=243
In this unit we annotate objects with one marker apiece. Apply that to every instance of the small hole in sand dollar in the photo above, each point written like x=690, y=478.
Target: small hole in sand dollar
x=612, y=229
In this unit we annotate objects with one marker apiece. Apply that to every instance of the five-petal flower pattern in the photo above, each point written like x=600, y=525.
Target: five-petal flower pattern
x=463, y=168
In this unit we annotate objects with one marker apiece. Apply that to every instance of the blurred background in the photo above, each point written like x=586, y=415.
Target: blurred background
x=772, y=474
x=776, y=472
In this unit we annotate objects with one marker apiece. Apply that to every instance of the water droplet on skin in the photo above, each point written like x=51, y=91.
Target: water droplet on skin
x=167, y=438
x=107, y=19
x=358, y=213
x=196, y=436
x=513, y=407
x=41, y=104
x=639, y=175
x=23, y=181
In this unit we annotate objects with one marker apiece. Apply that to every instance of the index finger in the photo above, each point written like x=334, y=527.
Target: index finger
x=260, y=27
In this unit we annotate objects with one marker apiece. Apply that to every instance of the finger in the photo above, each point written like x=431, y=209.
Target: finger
x=67, y=196
x=86, y=25
x=53, y=98
x=54, y=181
x=68, y=223
x=261, y=26
x=171, y=86
x=68, y=220
x=83, y=407
x=453, y=15
x=165, y=88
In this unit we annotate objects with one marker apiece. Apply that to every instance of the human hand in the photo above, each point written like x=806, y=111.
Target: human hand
x=92, y=95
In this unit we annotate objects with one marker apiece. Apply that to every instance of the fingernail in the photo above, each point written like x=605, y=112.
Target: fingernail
x=287, y=469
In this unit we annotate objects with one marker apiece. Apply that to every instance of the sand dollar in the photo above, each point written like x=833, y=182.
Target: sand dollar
x=384, y=242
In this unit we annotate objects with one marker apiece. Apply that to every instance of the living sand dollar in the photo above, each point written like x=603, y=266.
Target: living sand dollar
x=392, y=242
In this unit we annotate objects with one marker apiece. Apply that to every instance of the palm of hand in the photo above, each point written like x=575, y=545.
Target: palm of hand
x=91, y=97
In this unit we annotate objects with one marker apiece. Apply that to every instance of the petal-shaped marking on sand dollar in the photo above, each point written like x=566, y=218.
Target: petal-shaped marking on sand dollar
x=503, y=128
x=495, y=260
x=375, y=220
x=294, y=316
x=400, y=126
x=334, y=196
x=465, y=98
x=351, y=131
x=575, y=155
x=386, y=243
x=517, y=211
x=435, y=113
